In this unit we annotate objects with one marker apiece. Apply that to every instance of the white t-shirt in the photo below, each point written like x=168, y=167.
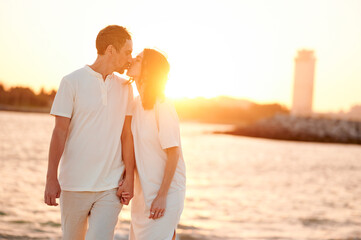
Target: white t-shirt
x=153, y=131
x=92, y=157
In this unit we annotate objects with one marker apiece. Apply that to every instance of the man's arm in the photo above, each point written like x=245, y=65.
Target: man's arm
x=58, y=139
x=125, y=190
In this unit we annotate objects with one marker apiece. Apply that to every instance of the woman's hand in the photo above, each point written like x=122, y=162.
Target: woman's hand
x=123, y=196
x=158, y=207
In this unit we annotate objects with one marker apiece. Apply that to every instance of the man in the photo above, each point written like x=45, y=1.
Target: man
x=90, y=139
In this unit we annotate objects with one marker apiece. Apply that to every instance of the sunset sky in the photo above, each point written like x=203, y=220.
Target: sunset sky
x=240, y=48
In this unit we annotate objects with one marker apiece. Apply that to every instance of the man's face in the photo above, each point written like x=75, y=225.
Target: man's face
x=123, y=57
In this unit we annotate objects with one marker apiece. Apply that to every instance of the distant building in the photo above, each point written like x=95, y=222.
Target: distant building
x=355, y=112
x=303, y=83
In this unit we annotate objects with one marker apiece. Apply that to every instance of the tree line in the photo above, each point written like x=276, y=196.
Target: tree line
x=226, y=110
x=25, y=97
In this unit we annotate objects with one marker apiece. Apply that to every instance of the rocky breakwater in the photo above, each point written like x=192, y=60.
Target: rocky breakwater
x=313, y=129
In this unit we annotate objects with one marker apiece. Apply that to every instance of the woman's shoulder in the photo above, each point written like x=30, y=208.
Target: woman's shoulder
x=166, y=106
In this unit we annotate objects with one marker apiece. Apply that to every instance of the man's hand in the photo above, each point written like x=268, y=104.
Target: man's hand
x=52, y=192
x=125, y=191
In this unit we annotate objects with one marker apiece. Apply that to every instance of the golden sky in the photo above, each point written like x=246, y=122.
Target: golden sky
x=239, y=48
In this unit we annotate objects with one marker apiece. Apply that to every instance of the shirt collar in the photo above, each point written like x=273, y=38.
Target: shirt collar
x=96, y=74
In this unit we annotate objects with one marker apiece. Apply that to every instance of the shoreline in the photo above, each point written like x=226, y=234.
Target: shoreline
x=8, y=108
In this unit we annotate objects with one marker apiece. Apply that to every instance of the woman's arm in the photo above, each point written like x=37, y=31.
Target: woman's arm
x=170, y=167
x=159, y=203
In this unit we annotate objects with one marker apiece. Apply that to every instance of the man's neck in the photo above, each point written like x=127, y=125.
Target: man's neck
x=102, y=66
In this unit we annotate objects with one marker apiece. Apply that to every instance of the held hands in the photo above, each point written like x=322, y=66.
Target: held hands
x=52, y=192
x=158, y=207
x=125, y=191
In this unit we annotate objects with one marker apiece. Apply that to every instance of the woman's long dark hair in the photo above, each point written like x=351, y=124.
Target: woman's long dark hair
x=154, y=76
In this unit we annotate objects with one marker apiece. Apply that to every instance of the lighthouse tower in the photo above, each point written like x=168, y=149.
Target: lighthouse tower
x=303, y=83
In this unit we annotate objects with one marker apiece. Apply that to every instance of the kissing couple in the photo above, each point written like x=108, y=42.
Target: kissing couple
x=111, y=148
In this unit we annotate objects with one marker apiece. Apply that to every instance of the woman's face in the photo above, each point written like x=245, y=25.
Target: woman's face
x=135, y=67
x=135, y=70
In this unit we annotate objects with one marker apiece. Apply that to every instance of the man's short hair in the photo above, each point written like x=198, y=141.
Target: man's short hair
x=111, y=35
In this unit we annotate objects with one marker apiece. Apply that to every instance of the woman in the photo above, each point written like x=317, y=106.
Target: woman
x=159, y=185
